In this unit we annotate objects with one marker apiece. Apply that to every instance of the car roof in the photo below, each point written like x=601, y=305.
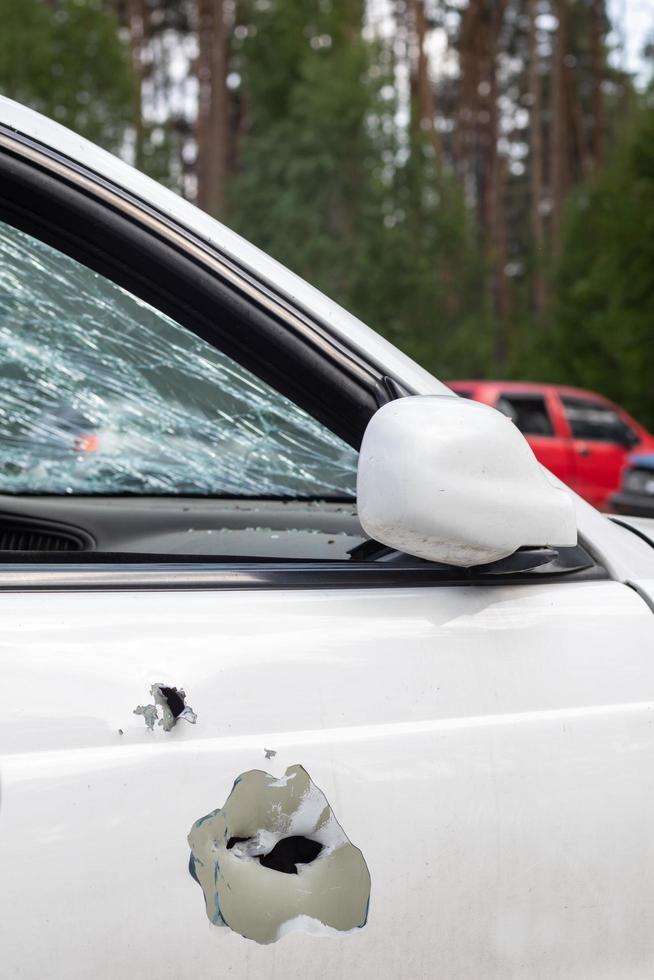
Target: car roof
x=531, y=388
x=339, y=321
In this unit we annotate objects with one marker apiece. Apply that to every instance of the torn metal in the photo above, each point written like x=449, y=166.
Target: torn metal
x=171, y=702
x=274, y=859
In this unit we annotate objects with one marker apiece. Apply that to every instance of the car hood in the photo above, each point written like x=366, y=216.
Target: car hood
x=642, y=526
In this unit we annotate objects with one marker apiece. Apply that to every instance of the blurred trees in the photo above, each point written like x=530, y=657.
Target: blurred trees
x=66, y=60
x=304, y=185
x=163, y=38
x=604, y=306
x=438, y=166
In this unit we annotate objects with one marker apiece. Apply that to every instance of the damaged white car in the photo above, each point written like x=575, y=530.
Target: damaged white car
x=309, y=669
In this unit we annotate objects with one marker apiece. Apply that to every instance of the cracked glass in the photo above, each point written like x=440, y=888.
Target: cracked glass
x=103, y=394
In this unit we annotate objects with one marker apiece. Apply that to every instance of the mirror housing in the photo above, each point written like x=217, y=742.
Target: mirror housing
x=454, y=481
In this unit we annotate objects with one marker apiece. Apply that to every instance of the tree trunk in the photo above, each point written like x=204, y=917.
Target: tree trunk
x=491, y=167
x=536, y=161
x=213, y=123
x=422, y=88
x=597, y=69
x=496, y=190
x=559, y=137
x=138, y=21
x=476, y=150
x=468, y=96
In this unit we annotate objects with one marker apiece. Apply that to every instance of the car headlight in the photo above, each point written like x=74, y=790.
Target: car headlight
x=639, y=481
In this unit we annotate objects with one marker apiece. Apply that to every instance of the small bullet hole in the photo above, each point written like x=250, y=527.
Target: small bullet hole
x=174, y=700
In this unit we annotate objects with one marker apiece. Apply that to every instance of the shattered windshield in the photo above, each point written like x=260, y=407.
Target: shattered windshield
x=102, y=394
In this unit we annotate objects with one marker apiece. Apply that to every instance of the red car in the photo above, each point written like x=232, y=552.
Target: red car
x=580, y=436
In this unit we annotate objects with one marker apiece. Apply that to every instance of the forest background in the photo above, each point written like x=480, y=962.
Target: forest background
x=473, y=178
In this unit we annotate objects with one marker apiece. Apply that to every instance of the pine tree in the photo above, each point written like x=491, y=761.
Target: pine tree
x=301, y=191
x=66, y=59
x=605, y=280
x=332, y=186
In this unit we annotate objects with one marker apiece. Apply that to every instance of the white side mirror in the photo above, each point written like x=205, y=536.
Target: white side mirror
x=454, y=481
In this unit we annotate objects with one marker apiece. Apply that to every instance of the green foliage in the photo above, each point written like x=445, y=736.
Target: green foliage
x=424, y=287
x=65, y=59
x=335, y=182
x=301, y=191
x=327, y=186
x=604, y=311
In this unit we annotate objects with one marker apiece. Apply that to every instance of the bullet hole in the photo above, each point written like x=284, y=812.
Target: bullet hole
x=171, y=703
x=270, y=753
x=289, y=852
x=174, y=699
x=286, y=854
x=278, y=824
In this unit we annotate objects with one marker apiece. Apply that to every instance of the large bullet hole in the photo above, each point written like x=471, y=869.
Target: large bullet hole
x=286, y=854
x=278, y=824
x=289, y=852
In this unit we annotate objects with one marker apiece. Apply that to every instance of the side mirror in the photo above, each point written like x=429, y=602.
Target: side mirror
x=454, y=481
x=629, y=439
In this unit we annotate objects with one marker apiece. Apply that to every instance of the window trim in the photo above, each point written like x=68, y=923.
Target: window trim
x=530, y=396
x=590, y=403
x=260, y=576
x=162, y=263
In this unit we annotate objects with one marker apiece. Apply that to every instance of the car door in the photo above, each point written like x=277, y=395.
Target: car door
x=601, y=440
x=482, y=742
x=535, y=415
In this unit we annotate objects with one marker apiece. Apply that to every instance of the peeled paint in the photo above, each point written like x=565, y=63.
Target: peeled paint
x=327, y=896
x=103, y=394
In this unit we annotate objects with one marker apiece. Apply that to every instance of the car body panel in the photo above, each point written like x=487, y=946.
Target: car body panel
x=591, y=467
x=645, y=589
x=643, y=526
x=488, y=749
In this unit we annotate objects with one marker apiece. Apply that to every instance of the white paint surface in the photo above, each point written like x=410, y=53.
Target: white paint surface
x=491, y=751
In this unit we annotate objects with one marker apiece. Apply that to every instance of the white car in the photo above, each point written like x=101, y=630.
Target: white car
x=347, y=686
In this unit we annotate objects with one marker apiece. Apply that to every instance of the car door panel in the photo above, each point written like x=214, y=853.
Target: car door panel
x=535, y=414
x=601, y=439
x=488, y=748
x=554, y=452
x=597, y=466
